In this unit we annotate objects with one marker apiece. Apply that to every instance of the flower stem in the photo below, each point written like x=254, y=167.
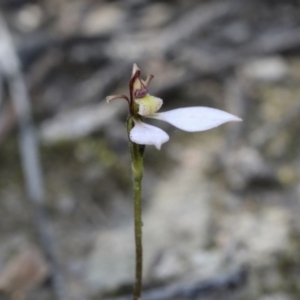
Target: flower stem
x=137, y=171
x=138, y=239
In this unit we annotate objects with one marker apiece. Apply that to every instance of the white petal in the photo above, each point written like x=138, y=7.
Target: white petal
x=195, y=118
x=145, y=134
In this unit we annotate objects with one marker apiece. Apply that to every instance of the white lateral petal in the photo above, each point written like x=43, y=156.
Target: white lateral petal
x=195, y=118
x=145, y=134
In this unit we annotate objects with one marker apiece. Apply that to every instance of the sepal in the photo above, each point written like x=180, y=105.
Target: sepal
x=195, y=118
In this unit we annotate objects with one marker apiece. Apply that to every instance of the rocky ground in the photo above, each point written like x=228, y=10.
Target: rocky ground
x=220, y=207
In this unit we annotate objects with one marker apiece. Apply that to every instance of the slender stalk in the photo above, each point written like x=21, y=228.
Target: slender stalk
x=137, y=171
x=138, y=239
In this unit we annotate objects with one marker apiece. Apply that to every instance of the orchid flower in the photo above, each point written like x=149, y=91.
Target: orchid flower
x=143, y=105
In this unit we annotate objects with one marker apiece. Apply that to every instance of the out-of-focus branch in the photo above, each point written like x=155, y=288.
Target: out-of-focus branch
x=11, y=70
x=197, y=19
x=1, y=91
x=199, y=289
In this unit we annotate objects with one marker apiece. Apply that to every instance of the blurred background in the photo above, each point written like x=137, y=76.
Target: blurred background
x=221, y=208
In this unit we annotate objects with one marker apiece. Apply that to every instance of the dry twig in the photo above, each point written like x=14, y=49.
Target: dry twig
x=228, y=281
x=10, y=68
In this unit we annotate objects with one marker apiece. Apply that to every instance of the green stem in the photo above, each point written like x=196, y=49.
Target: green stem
x=137, y=171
